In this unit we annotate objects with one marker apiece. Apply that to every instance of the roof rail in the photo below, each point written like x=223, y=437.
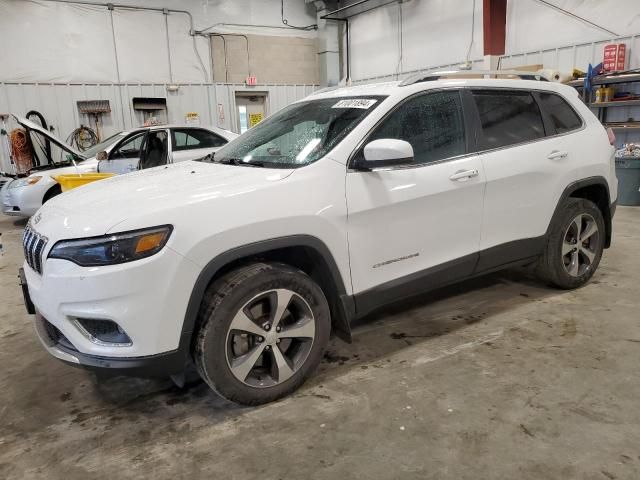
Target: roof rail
x=431, y=76
x=324, y=90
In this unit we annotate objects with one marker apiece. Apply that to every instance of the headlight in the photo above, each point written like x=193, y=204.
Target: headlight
x=112, y=249
x=23, y=182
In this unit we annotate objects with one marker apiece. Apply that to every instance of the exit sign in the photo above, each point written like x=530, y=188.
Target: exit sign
x=252, y=80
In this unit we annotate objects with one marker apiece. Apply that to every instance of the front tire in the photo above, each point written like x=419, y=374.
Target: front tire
x=575, y=245
x=263, y=330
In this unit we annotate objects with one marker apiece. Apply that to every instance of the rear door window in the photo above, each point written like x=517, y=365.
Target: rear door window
x=507, y=117
x=562, y=116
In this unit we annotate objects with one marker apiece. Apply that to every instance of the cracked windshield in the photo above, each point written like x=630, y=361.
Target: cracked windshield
x=299, y=134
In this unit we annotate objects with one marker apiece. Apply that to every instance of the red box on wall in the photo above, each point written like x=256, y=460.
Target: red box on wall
x=614, y=57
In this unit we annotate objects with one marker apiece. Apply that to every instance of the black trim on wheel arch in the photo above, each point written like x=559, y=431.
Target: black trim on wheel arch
x=344, y=304
x=607, y=214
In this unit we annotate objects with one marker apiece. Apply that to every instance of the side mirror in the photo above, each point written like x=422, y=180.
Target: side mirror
x=387, y=152
x=101, y=155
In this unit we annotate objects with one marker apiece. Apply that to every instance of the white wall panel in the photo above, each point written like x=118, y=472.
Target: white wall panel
x=186, y=67
x=434, y=32
x=566, y=58
x=51, y=42
x=141, y=43
x=533, y=26
x=54, y=42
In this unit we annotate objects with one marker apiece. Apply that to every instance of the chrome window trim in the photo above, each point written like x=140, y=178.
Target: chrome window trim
x=410, y=166
x=538, y=90
x=350, y=169
x=490, y=150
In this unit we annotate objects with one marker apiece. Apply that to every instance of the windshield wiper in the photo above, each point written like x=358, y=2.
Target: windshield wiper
x=240, y=162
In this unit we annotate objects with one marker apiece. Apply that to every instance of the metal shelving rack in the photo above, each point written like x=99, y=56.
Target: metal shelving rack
x=602, y=107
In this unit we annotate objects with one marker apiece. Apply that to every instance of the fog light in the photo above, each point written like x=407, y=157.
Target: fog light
x=106, y=333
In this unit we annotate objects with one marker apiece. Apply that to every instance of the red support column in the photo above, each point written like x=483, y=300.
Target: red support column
x=494, y=23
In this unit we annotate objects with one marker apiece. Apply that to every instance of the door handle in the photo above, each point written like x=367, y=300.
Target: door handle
x=463, y=175
x=557, y=155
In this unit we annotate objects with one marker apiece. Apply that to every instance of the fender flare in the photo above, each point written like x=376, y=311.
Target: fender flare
x=344, y=304
x=587, y=182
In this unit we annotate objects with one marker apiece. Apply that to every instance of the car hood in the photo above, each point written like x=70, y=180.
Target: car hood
x=97, y=208
x=29, y=125
x=84, y=166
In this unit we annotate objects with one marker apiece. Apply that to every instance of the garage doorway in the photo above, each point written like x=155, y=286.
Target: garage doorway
x=250, y=109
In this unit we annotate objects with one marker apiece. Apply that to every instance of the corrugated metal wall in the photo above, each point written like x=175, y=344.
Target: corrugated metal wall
x=564, y=59
x=57, y=102
x=579, y=56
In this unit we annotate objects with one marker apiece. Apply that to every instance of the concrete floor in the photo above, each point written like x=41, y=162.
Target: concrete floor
x=496, y=378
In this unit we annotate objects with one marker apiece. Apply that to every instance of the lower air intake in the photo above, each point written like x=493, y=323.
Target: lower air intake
x=103, y=332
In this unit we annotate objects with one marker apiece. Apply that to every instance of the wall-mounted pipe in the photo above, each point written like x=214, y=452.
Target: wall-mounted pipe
x=115, y=47
x=166, y=27
x=347, y=46
x=224, y=47
x=313, y=26
x=222, y=35
x=243, y=25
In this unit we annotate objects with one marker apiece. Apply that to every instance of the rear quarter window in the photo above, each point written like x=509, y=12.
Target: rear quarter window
x=562, y=116
x=194, y=138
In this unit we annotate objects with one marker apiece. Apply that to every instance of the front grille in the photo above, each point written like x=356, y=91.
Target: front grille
x=2, y=182
x=33, y=244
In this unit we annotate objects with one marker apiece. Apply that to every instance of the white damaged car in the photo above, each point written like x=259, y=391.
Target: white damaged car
x=123, y=152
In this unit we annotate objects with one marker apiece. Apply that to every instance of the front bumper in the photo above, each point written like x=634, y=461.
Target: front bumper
x=146, y=298
x=21, y=201
x=150, y=366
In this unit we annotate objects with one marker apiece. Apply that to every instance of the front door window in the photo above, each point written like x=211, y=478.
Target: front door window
x=156, y=149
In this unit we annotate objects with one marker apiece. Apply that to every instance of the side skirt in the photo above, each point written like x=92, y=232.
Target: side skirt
x=519, y=252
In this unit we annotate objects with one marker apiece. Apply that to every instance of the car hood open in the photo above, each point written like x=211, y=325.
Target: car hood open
x=29, y=125
x=97, y=208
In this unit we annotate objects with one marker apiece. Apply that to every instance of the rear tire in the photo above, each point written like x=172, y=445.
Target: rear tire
x=263, y=330
x=575, y=245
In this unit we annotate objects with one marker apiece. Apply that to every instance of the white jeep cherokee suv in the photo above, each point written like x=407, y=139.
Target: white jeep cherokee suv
x=334, y=206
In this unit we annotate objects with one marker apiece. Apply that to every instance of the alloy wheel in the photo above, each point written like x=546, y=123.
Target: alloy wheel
x=580, y=245
x=270, y=337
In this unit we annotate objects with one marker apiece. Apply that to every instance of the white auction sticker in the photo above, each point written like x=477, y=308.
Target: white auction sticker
x=355, y=103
